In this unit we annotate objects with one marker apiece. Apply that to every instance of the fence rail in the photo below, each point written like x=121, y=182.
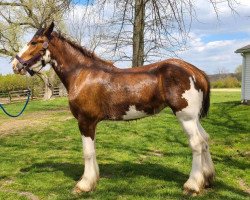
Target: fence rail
x=56, y=91
x=4, y=97
x=4, y=94
x=13, y=96
x=21, y=95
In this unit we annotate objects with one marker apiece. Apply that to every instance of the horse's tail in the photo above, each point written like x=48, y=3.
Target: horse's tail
x=206, y=97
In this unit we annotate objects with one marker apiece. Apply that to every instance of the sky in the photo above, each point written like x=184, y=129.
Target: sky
x=212, y=40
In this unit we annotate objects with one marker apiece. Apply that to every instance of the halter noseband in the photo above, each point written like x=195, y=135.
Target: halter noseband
x=26, y=64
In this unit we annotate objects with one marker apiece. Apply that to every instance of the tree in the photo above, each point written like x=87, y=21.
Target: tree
x=222, y=71
x=148, y=26
x=238, y=72
x=19, y=17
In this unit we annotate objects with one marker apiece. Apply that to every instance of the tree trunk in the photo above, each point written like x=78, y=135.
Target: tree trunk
x=48, y=89
x=138, y=33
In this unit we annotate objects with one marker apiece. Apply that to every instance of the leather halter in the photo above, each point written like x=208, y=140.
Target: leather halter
x=26, y=64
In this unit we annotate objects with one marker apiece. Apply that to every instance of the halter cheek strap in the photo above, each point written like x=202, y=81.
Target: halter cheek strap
x=28, y=63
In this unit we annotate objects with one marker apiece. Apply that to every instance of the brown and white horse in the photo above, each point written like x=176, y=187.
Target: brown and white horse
x=97, y=91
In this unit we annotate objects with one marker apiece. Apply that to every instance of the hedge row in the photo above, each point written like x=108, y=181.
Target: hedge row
x=227, y=82
x=18, y=82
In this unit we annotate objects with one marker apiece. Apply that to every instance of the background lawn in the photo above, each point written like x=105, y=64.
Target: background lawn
x=41, y=153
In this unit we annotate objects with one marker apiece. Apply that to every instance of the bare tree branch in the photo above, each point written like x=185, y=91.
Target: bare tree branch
x=20, y=15
x=167, y=26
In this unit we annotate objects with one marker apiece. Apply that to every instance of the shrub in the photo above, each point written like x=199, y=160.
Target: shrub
x=18, y=82
x=227, y=82
x=12, y=82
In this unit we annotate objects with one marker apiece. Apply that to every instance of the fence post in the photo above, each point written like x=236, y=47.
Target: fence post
x=9, y=96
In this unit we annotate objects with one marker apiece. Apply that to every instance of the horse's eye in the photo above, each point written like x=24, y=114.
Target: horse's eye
x=33, y=43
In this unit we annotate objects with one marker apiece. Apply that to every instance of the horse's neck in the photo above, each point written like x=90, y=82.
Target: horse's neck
x=64, y=62
x=68, y=62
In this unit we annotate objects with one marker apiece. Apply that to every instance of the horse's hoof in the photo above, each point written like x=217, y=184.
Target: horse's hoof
x=192, y=188
x=83, y=186
x=76, y=191
x=190, y=192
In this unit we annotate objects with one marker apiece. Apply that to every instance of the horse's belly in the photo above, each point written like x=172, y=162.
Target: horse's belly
x=133, y=113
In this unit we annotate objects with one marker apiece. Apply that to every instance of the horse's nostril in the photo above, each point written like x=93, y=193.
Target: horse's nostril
x=15, y=70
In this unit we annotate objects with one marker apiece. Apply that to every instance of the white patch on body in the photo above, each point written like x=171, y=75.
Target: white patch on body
x=54, y=62
x=91, y=170
x=132, y=113
x=194, y=99
x=194, y=78
x=47, y=56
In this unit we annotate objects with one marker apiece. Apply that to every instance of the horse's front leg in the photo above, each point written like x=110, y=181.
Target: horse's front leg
x=91, y=171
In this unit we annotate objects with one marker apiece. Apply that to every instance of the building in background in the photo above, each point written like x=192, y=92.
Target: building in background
x=245, y=85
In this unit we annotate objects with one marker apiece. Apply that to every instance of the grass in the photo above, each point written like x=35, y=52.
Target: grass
x=41, y=154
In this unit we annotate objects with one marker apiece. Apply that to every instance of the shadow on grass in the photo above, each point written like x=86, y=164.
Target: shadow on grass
x=3, y=177
x=227, y=115
x=120, y=179
x=228, y=160
x=119, y=170
x=127, y=171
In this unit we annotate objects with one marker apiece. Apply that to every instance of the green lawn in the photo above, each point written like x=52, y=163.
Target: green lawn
x=41, y=154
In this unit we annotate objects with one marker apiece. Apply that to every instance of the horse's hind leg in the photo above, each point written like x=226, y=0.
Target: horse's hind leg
x=196, y=180
x=207, y=163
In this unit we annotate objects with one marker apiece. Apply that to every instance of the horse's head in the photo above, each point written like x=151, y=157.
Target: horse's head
x=35, y=54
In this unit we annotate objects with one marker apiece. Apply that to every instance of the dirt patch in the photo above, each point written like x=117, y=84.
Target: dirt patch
x=26, y=194
x=244, y=186
x=225, y=89
x=4, y=100
x=157, y=153
x=35, y=119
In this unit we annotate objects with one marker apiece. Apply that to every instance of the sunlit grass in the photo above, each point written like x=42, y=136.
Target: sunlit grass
x=144, y=159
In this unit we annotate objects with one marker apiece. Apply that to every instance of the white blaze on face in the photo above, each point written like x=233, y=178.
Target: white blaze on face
x=15, y=61
x=194, y=99
x=25, y=48
x=132, y=113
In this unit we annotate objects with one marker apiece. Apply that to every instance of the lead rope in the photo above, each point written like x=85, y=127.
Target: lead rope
x=24, y=107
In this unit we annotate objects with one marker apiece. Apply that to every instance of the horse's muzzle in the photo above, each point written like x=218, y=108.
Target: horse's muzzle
x=16, y=66
x=24, y=65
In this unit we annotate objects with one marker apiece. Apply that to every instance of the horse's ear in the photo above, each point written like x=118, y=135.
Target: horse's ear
x=47, y=32
x=39, y=32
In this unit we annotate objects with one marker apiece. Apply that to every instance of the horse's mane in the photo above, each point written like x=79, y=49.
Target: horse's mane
x=81, y=49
